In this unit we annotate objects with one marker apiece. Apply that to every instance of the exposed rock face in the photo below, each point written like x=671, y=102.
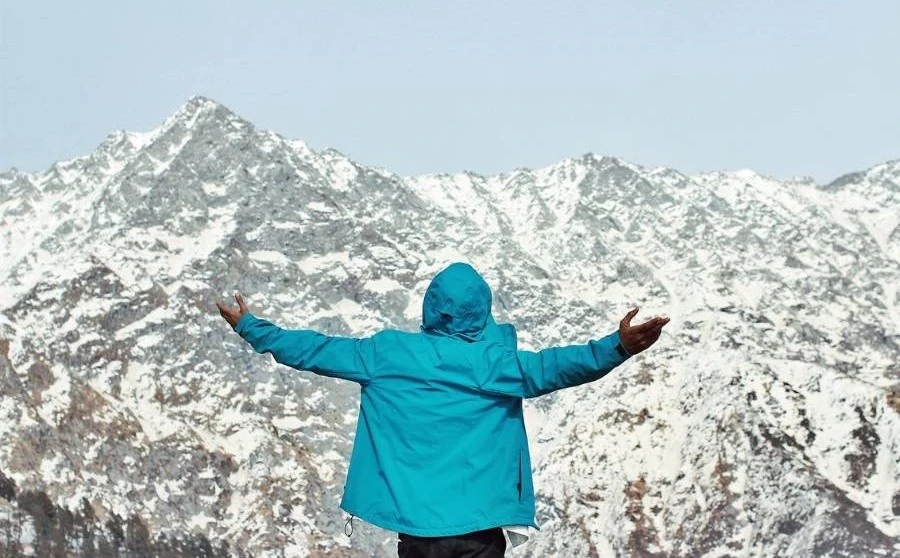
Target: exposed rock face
x=765, y=423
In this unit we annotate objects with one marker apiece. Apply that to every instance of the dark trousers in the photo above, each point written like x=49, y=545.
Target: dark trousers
x=481, y=544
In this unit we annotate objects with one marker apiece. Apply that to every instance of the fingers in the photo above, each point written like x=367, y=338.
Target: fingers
x=240, y=302
x=649, y=325
x=626, y=321
x=637, y=338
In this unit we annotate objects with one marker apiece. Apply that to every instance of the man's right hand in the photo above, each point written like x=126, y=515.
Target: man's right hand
x=636, y=338
x=233, y=315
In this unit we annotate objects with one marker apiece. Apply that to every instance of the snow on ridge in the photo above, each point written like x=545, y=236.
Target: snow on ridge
x=290, y=423
x=156, y=316
x=140, y=140
x=383, y=285
x=300, y=147
x=269, y=256
x=286, y=225
x=68, y=171
x=55, y=400
x=214, y=189
x=324, y=262
x=320, y=207
x=190, y=112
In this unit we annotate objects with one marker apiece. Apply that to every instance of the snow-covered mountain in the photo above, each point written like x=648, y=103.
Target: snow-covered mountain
x=766, y=422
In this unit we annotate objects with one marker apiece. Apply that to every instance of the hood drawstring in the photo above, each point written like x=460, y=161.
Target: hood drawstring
x=348, y=526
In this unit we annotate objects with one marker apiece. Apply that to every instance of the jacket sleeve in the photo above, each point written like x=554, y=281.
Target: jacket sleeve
x=337, y=357
x=532, y=374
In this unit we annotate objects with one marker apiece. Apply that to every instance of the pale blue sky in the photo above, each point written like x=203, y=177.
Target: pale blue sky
x=783, y=87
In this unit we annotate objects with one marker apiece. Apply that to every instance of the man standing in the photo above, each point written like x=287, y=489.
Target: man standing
x=441, y=454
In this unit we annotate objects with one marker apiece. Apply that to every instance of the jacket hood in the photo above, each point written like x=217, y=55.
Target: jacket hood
x=457, y=303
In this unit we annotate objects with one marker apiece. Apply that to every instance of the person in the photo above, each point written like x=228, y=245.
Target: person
x=441, y=454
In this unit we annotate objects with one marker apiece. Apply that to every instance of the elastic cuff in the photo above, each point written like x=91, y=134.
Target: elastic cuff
x=245, y=319
x=622, y=351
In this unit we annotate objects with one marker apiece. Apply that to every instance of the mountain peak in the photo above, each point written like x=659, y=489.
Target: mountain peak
x=887, y=173
x=591, y=159
x=195, y=108
x=193, y=113
x=199, y=103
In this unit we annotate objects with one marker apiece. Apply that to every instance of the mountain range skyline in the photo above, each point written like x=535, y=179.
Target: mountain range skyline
x=13, y=168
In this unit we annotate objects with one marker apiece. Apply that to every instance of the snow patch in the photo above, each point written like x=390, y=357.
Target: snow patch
x=213, y=189
x=269, y=256
x=289, y=423
x=382, y=285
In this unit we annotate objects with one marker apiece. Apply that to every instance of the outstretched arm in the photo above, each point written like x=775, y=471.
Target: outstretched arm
x=337, y=357
x=531, y=374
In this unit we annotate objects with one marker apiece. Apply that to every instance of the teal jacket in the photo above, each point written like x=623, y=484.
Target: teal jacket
x=440, y=443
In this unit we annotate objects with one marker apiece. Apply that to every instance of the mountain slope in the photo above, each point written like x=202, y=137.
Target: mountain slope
x=766, y=422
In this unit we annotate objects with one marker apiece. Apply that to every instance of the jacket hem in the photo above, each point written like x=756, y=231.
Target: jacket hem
x=448, y=531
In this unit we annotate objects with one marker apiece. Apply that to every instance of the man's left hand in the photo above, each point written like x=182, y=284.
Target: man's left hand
x=639, y=337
